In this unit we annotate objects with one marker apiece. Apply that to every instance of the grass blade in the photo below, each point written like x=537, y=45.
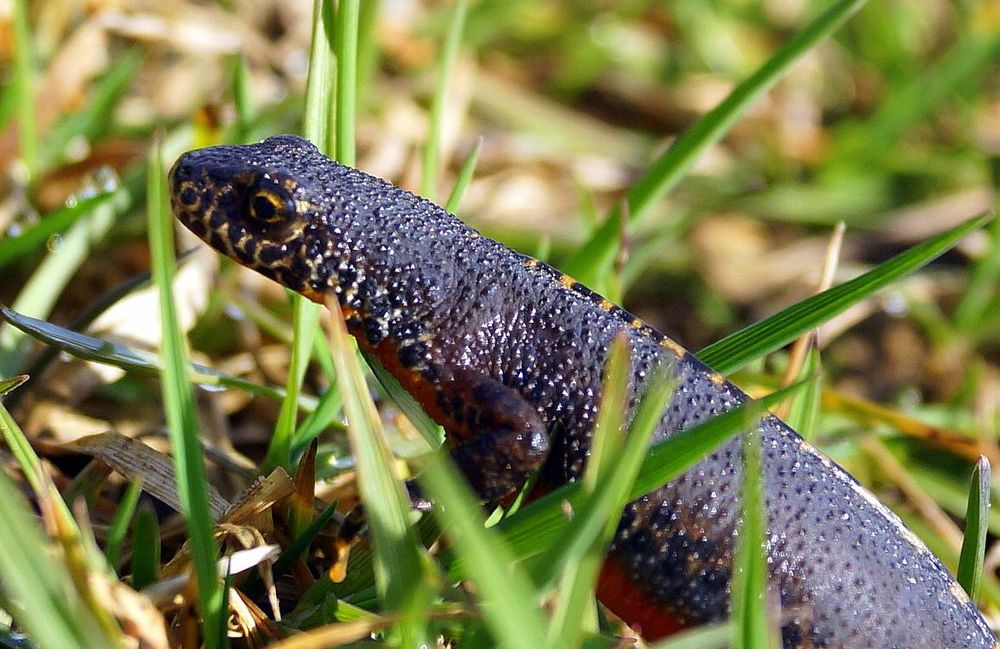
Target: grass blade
x=509, y=602
x=710, y=636
x=305, y=317
x=93, y=120
x=9, y=385
x=21, y=449
x=182, y=420
x=319, y=82
x=970, y=563
x=34, y=238
x=537, y=525
x=749, y=598
x=242, y=100
x=47, y=601
x=983, y=287
x=398, y=555
x=580, y=553
x=464, y=178
x=803, y=415
x=594, y=259
x=120, y=523
x=432, y=148
x=101, y=351
x=347, y=78
x=736, y=350
x=24, y=83
x=145, y=547
x=430, y=431
x=41, y=291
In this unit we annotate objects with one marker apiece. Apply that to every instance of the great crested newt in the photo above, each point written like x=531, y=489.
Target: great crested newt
x=507, y=354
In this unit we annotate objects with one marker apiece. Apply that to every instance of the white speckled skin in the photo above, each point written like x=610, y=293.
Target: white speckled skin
x=846, y=571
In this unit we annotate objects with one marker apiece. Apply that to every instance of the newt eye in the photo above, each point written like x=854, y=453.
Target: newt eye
x=270, y=203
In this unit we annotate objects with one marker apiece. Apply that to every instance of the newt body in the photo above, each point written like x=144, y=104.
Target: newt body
x=507, y=354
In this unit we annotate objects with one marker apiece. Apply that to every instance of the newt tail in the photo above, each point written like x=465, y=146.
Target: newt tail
x=507, y=354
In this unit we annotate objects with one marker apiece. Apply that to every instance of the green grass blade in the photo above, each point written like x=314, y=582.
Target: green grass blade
x=748, y=601
x=804, y=414
x=580, y=552
x=319, y=82
x=346, y=44
x=970, y=563
x=398, y=555
x=13, y=248
x=118, y=529
x=575, y=559
x=368, y=51
x=302, y=542
x=736, y=350
x=305, y=317
x=145, y=547
x=182, y=419
x=39, y=294
x=242, y=100
x=8, y=103
x=430, y=431
x=983, y=289
x=595, y=258
x=48, y=604
x=21, y=449
x=327, y=408
x=432, y=148
x=921, y=94
x=536, y=526
x=714, y=636
x=508, y=601
x=93, y=120
x=464, y=178
x=9, y=385
x=127, y=358
x=24, y=84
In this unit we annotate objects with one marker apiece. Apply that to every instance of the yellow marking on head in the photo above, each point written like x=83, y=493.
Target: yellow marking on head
x=716, y=378
x=567, y=281
x=224, y=233
x=637, y=323
x=531, y=262
x=672, y=345
x=606, y=305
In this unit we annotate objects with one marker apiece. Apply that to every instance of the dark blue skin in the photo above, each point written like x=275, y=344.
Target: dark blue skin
x=507, y=354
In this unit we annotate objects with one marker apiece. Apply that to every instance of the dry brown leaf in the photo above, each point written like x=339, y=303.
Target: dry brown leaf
x=133, y=459
x=139, y=618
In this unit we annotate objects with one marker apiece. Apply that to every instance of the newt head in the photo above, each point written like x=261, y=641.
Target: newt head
x=259, y=204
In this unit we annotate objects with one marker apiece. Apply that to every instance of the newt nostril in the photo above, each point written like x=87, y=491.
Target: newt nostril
x=183, y=172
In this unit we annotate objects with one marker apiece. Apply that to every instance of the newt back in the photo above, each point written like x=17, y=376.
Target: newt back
x=507, y=354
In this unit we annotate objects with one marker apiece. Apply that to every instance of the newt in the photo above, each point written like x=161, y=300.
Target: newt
x=507, y=354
